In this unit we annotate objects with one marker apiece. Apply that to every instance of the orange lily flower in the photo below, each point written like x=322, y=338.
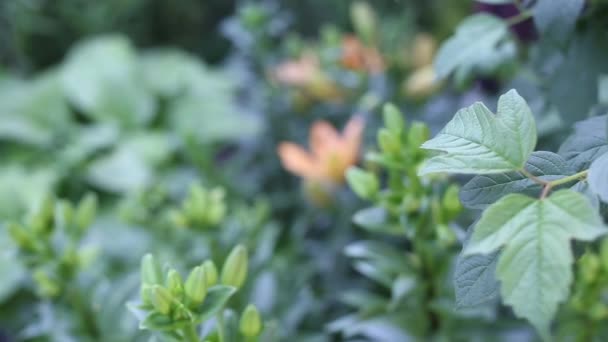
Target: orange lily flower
x=357, y=56
x=331, y=153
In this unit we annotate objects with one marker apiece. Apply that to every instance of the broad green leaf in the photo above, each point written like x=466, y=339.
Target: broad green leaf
x=216, y=299
x=588, y=142
x=535, y=263
x=598, y=177
x=477, y=141
x=169, y=73
x=557, y=18
x=483, y=190
x=585, y=59
x=123, y=170
x=475, y=280
x=100, y=77
x=479, y=38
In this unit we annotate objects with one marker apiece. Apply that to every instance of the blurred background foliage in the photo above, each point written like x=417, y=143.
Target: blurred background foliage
x=171, y=111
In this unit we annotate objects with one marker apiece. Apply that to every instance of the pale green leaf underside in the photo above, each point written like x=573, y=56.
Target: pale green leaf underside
x=535, y=264
x=477, y=141
x=598, y=177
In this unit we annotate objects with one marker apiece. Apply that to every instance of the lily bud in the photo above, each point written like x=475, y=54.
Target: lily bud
x=364, y=20
x=161, y=299
x=234, y=270
x=175, y=285
x=250, y=324
x=388, y=142
x=196, y=285
x=86, y=211
x=393, y=119
x=418, y=134
x=211, y=274
x=150, y=270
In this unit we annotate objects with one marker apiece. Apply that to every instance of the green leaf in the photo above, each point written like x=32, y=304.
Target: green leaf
x=598, y=177
x=216, y=300
x=478, y=39
x=474, y=279
x=160, y=322
x=483, y=190
x=99, y=77
x=477, y=141
x=588, y=142
x=557, y=18
x=535, y=263
x=585, y=60
x=376, y=219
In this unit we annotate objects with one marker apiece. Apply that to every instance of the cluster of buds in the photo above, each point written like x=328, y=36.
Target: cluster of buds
x=176, y=307
x=202, y=208
x=400, y=154
x=49, y=239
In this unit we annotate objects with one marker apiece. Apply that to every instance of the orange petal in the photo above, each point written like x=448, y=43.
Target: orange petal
x=296, y=160
x=323, y=138
x=352, y=135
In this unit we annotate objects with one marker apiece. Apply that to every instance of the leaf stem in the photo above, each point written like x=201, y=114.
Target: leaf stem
x=557, y=182
x=523, y=16
x=534, y=178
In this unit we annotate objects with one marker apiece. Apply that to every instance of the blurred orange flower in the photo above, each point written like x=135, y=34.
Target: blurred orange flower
x=305, y=73
x=331, y=153
x=357, y=56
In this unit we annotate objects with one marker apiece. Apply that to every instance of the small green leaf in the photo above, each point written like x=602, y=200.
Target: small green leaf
x=483, y=190
x=216, y=299
x=160, y=322
x=535, y=263
x=598, y=177
x=477, y=40
x=477, y=141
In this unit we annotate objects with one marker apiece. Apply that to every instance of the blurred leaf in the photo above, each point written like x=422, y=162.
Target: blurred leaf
x=216, y=299
x=21, y=188
x=556, y=18
x=478, y=39
x=12, y=272
x=123, y=170
x=588, y=141
x=100, y=77
x=598, y=177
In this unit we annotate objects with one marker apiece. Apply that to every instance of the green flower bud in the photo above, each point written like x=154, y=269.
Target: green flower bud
x=234, y=270
x=47, y=287
x=364, y=20
x=150, y=270
x=250, y=324
x=175, y=284
x=364, y=184
x=196, y=285
x=161, y=299
x=418, y=134
x=211, y=274
x=86, y=211
x=451, y=202
x=146, y=293
x=20, y=236
x=590, y=266
x=393, y=119
x=41, y=222
x=388, y=142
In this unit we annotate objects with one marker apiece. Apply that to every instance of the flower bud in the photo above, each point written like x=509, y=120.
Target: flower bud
x=388, y=142
x=393, y=119
x=20, y=236
x=150, y=270
x=161, y=299
x=196, y=285
x=47, y=287
x=234, y=270
x=85, y=212
x=418, y=134
x=41, y=222
x=250, y=324
x=364, y=20
x=175, y=284
x=210, y=273
x=451, y=202
x=364, y=184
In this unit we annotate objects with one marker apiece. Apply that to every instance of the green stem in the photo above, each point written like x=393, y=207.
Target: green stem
x=190, y=334
x=523, y=16
x=533, y=177
x=220, y=326
x=576, y=176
